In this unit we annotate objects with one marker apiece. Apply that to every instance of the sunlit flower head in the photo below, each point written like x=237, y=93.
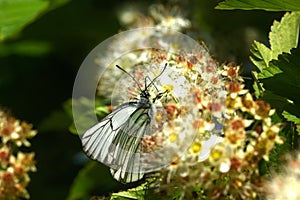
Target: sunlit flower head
x=15, y=165
x=212, y=131
x=262, y=109
x=231, y=71
x=169, y=17
x=227, y=165
x=12, y=130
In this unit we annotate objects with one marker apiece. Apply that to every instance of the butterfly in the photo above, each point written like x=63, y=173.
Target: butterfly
x=116, y=139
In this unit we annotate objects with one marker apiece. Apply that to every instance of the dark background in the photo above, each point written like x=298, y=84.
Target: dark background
x=35, y=85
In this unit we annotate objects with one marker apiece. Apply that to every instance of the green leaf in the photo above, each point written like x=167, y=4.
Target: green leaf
x=269, y=5
x=257, y=91
x=292, y=118
x=57, y=121
x=93, y=177
x=83, y=105
x=298, y=129
x=269, y=72
x=16, y=14
x=283, y=37
x=57, y=3
x=287, y=83
x=257, y=86
x=102, y=110
x=277, y=101
x=30, y=48
x=85, y=119
x=284, y=34
x=261, y=55
x=138, y=193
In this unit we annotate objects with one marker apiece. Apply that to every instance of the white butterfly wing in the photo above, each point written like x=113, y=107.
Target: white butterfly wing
x=97, y=138
x=115, y=140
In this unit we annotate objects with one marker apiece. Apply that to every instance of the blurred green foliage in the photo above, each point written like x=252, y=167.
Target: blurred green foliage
x=269, y=5
x=42, y=46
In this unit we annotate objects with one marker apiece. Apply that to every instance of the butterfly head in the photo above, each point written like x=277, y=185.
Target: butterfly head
x=144, y=97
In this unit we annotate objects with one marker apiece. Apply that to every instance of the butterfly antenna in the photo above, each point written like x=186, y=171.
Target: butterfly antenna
x=158, y=75
x=130, y=76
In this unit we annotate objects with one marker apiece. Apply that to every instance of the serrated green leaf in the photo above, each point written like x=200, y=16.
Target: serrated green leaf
x=269, y=5
x=137, y=193
x=284, y=34
x=261, y=55
x=14, y=15
x=257, y=91
x=269, y=72
x=290, y=117
x=283, y=37
x=257, y=86
x=287, y=83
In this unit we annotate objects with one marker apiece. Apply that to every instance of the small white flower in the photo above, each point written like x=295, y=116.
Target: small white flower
x=207, y=146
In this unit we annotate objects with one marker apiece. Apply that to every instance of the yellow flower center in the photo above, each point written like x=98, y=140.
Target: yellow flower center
x=173, y=137
x=196, y=147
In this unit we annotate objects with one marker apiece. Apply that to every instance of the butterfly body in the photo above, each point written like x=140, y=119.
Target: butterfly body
x=116, y=139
